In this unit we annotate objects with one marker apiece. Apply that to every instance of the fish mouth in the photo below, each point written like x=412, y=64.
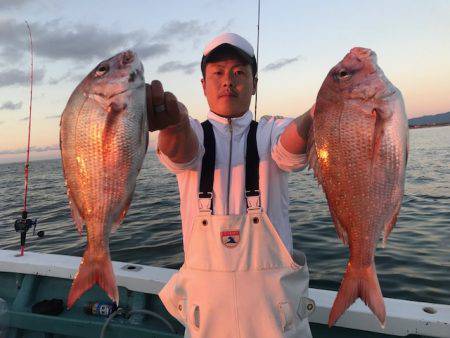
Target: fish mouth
x=385, y=95
x=378, y=95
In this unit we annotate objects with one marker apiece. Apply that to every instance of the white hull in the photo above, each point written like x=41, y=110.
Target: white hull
x=403, y=317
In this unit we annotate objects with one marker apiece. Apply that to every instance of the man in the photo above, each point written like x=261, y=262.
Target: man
x=239, y=278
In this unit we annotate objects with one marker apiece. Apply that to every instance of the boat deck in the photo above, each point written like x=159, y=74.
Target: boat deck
x=22, y=291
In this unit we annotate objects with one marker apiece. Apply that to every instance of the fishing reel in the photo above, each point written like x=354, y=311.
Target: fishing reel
x=24, y=224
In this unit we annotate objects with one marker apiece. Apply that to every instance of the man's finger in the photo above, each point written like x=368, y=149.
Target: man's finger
x=157, y=93
x=173, y=112
x=182, y=108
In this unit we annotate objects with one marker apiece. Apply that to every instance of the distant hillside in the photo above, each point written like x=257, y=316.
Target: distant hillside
x=430, y=120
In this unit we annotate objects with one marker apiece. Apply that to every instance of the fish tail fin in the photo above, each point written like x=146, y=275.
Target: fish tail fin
x=362, y=283
x=94, y=269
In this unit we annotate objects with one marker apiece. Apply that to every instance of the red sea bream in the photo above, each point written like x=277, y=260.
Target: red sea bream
x=104, y=137
x=358, y=150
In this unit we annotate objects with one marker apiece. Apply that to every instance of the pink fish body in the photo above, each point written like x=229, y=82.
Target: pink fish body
x=103, y=137
x=358, y=149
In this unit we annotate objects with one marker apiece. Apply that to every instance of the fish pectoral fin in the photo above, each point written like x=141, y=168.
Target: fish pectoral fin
x=100, y=99
x=377, y=136
x=76, y=214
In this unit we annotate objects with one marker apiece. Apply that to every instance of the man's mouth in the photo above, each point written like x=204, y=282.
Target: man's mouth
x=228, y=94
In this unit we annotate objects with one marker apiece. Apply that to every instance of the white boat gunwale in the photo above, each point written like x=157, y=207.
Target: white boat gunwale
x=404, y=317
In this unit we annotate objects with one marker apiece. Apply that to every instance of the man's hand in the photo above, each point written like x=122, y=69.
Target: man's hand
x=163, y=108
x=176, y=140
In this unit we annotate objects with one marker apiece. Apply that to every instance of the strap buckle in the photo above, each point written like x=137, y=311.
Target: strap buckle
x=253, y=199
x=205, y=195
x=205, y=201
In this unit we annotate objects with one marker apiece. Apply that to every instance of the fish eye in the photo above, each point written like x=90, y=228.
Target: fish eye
x=343, y=74
x=102, y=70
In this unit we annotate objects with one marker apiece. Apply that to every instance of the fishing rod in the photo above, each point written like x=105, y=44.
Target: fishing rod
x=24, y=224
x=257, y=57
x=29, y=120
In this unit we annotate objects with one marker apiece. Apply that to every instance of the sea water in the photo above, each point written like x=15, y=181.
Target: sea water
x=414, y=265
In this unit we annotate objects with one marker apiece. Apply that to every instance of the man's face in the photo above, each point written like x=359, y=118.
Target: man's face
x=228, y=86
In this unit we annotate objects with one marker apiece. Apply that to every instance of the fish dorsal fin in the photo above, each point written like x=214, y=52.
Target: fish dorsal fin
x=390, y=225
x=313, y=161
x=117, y=222
x=340, y=230
x=145, y=139
x=144, y=131
x=407, y=149
x=312, y=155
x=76, y=215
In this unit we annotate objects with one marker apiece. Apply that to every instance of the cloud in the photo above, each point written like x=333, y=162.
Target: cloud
x=187, y=68
x=9, y=105
x=33, y=149
x=24, y=119
x=77, y=42
x=227, y=26
x=1, y=122
x=68, y=76
x=182, y=30
x=53, y=116
x=9, y=4
x=13, y=39
x=144, y=52
x=152, y=50
x=20, y=77
x=281, y=63
x=80, y=42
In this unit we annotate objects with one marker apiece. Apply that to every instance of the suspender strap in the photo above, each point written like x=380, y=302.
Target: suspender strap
x=208, y=162
x=208, y=166
x=252, y=162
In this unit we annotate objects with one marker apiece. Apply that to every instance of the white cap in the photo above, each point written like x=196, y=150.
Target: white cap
x=235, y=41
x=232, y=39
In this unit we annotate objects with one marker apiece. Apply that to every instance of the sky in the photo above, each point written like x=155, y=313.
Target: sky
x=300, y=41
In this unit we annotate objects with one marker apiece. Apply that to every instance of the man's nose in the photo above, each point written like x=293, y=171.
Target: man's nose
x=229, y=80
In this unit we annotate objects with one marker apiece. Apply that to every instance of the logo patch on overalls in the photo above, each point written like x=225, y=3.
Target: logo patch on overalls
x=230, y=238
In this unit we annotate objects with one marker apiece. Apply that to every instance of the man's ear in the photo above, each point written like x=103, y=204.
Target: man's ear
x=203, y=85
x=255, y=84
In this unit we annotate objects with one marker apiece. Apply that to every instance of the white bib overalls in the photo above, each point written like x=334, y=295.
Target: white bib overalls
x=238, y=279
